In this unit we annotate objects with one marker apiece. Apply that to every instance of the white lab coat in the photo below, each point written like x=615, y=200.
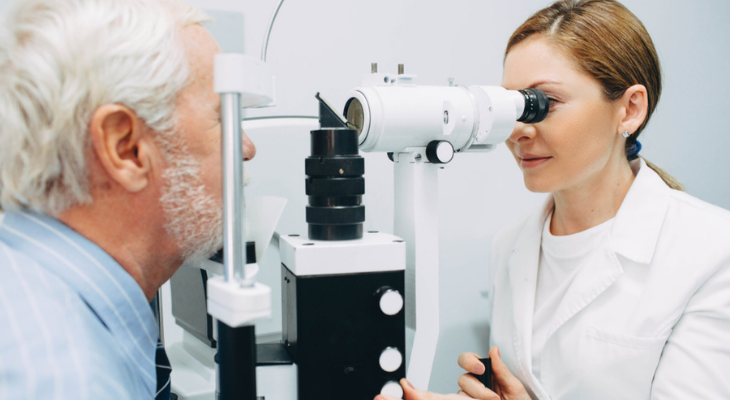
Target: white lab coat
x=648, y=317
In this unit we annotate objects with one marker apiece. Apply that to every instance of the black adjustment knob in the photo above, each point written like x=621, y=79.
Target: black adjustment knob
x=439, y=152
x=486, y=377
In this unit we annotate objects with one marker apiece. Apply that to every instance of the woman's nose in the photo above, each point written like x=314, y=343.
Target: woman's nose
x=522, y=132
x=249, y=149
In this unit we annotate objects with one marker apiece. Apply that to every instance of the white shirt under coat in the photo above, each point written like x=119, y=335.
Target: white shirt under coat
x=561, y=257
x=648, y=317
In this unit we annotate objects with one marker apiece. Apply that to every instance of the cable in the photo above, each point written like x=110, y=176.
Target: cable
x=265, y=47
x=282, y=117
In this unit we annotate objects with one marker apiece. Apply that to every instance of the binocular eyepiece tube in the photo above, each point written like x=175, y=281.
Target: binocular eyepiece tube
x=394, y=118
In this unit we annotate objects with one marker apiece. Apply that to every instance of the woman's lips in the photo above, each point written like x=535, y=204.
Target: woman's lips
x=530, y=161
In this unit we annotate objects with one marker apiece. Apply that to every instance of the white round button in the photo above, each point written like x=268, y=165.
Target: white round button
x=445, y=152
x=392, y=388
x=391, y=359
x=391, y=302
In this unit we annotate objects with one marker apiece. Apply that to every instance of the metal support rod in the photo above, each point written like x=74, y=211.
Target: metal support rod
x=233, y=201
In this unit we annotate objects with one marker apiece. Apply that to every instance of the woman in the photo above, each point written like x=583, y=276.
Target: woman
x=619, y=286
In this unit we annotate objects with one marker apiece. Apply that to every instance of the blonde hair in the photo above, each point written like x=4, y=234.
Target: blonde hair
x=59, y=62
x=609, y=43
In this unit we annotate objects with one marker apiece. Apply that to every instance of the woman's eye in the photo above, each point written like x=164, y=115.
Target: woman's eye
x=552, y=102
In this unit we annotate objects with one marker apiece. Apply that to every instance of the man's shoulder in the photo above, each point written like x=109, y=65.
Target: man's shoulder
x=56, y=344
x=31, y=295
x=78, y=368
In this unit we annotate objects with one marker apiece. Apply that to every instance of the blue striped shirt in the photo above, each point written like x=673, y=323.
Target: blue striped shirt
x=73, y=323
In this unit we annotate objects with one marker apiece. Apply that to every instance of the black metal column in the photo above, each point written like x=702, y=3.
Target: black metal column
x=237, y=362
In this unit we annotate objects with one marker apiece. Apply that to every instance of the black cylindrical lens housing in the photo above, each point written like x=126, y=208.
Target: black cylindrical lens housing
x=537, y=106
x=335, y=185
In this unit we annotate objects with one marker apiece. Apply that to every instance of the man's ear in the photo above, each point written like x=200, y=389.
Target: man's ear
x=635, y=105
x=122, y=146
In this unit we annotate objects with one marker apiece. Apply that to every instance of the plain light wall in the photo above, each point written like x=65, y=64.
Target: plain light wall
x=326, y=45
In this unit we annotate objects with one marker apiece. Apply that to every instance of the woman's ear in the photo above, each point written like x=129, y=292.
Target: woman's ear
x=635, y=106
x=122, y=146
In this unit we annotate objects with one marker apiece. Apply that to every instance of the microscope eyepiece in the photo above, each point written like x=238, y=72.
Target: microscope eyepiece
x=537, y=106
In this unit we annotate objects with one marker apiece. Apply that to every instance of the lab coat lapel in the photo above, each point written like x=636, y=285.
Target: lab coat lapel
x=634, y=235
x=639, y=221
x=599, y=273
x=522, y=264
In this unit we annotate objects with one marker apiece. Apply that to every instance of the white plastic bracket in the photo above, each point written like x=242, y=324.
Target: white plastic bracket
x=238, y=306
x=246, y=75
x=409, y=155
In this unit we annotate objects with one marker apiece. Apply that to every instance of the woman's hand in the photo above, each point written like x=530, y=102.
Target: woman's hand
x=411, y=393
x=504, y=384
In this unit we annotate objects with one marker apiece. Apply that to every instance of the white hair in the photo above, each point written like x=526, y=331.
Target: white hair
x=60, y=60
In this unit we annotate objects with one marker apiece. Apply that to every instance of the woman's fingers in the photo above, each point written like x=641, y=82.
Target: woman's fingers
x=508, y=383
x=470, y=385
x=503, y=381
x=470, y=362
x=475, y=389
x=411, y=393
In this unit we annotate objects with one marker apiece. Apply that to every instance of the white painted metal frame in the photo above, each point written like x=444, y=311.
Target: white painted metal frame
x=416, y=221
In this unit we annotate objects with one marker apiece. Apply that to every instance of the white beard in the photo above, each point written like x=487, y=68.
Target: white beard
x=192, y=216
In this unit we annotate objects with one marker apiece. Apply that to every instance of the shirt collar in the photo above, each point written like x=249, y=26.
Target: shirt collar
x=102, y=283
x=640, y=218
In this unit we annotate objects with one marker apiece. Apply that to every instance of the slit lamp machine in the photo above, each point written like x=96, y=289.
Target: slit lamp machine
x=357, y=306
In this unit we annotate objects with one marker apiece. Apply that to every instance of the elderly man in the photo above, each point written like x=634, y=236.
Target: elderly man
x=110, y=177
